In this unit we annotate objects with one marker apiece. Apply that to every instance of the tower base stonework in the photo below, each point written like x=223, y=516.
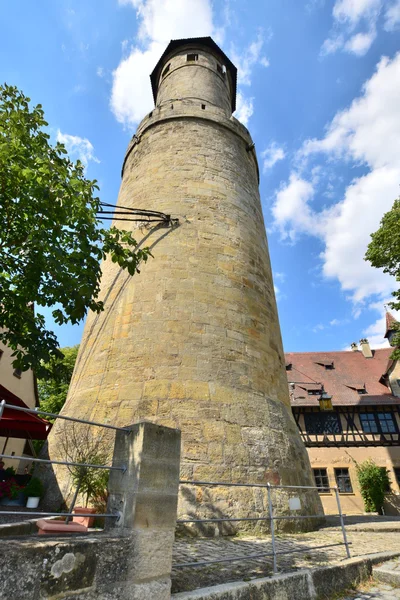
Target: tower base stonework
x=193, y=342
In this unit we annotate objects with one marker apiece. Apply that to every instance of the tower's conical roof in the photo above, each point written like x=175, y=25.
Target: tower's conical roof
x=390, y=323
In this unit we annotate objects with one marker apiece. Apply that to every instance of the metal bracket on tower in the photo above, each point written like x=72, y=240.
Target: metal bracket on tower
x=141, y=215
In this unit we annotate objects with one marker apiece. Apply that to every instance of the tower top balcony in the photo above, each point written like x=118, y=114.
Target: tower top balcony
x=195, y=69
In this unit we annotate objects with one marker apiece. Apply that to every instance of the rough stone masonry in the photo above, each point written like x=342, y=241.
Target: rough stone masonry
x=193, y=342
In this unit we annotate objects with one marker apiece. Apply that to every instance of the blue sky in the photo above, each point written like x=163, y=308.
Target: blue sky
x=319, y=85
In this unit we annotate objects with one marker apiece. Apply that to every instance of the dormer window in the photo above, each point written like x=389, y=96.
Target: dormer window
x=192, y=57
x=328, y=364
x=288, y=366
x=358, y=387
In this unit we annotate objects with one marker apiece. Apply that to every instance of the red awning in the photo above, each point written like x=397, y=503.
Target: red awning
x=18, y=424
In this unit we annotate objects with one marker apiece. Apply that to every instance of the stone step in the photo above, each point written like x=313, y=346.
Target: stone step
x=388, y=572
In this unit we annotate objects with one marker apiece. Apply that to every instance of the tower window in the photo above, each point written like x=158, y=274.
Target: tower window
x=221, y=69
x=167, y=68
x=192, y=57
x=203, y=106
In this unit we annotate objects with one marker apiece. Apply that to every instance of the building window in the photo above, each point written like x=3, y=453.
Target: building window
x=386, y=422
x=1, y=353
x=382, y=422
x=320, y=423
x=343, y=481
x=321, y=480
x=314, y=392
x=221, y=69
x=397, y=475
x=17, y=373
x=368, y=423
x=192, y=57
x=166, y=70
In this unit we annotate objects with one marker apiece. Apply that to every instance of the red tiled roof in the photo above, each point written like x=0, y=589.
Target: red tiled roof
x=351, y=370
x=390, y=323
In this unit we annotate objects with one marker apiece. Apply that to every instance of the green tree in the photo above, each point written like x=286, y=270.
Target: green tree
x=53, y=388
x=51, y=242
x=374, y=484
x=384, y=253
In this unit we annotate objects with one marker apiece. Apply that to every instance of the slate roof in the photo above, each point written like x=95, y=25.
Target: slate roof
x=351, y=371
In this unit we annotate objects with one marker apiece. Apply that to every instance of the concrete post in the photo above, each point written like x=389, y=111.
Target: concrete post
x=146, y=495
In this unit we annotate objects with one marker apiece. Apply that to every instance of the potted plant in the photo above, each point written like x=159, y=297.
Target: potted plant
x=11, y=493
x=34, y=492
x=81, y=445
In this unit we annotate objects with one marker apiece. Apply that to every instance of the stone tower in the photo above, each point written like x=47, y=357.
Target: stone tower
x=194, y=342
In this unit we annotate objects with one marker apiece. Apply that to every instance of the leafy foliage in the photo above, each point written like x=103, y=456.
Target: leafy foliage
x=81, y=444
x=53, y=388
x=51, y=242
x=34, y=488
x=374, y=483
x=384, y=253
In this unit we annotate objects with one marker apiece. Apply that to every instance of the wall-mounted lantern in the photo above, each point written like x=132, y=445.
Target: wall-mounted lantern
x=325, y=402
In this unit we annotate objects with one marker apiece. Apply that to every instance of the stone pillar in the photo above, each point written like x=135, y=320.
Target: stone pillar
x=146, y=496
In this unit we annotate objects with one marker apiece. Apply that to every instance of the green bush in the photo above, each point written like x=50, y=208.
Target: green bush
x=34, y=489
x=374, y=484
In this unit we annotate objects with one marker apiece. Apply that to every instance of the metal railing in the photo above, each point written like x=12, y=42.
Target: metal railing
x=272, y=518
x=70, y=513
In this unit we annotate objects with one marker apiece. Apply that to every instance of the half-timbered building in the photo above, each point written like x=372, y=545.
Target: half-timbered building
x=347, y=407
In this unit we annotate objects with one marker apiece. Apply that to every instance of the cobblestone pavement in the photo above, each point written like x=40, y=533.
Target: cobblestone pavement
x=306, y=555
x=379, y=591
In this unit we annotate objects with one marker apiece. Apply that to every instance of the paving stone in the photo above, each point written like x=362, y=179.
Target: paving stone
x=244, y=567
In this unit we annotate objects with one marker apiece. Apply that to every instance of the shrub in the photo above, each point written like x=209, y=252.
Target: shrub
x=34, y=489
x=374, y=484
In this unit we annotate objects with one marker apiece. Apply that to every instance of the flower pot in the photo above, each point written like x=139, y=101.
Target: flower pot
x=86, y=521
x=32, y=502
x=18, y=501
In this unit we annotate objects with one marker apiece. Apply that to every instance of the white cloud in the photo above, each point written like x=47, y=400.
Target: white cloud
x=392, y=16
x=160, y=21
x=77, y=147
x=272, y=155
x=100, y=72
x=291, y=210
x=352, y=11
x=244, y=108
x=246, y=60
x=360, y=43
x=349, y=15
x=367, y=133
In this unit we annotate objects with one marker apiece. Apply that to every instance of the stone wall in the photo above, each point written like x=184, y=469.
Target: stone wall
x=193, y=342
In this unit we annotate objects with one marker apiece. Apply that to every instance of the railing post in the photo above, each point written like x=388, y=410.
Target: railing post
x=146, y=497
x=272, y=524
x=346, y=543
